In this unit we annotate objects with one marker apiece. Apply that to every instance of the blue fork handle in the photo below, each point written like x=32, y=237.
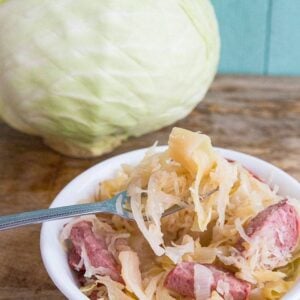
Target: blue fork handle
x=39, y=216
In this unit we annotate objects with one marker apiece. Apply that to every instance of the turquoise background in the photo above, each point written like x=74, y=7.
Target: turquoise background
x=259, y=36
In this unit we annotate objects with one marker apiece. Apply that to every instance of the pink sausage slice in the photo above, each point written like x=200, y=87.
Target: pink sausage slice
x=280, y=224
x=181, y=281
x=96, y=249
x=74, y=259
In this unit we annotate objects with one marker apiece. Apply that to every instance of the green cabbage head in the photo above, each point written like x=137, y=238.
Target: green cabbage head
x=86, y=75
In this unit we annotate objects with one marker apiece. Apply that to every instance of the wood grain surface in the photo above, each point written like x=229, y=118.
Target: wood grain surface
x=259, y=37
x=255, y=115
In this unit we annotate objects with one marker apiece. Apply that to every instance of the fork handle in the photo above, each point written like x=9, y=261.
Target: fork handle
x=39, y=216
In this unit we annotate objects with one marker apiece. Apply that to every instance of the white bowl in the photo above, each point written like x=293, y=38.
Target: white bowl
x=85, y=185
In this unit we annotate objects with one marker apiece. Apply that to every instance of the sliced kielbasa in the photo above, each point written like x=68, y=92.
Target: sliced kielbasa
x=96, y=250
x=181, y=281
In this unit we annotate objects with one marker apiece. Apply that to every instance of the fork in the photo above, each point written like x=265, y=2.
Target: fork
x=115, y=206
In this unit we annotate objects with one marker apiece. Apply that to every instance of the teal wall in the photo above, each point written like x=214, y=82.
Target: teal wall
x=259, y=36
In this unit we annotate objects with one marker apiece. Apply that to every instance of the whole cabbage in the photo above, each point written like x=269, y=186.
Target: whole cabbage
x=85, y=75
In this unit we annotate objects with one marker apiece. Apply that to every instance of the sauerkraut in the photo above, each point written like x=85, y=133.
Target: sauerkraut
x=218, y=197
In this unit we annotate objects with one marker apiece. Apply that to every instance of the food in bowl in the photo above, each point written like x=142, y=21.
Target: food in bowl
x=235, y=238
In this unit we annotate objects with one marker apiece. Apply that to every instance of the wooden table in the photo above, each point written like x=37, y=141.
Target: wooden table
x=255, y=115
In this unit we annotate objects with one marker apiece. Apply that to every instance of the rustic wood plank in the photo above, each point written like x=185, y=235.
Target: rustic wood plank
x=244, y=29
x=285, y=38
x=256, y=115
